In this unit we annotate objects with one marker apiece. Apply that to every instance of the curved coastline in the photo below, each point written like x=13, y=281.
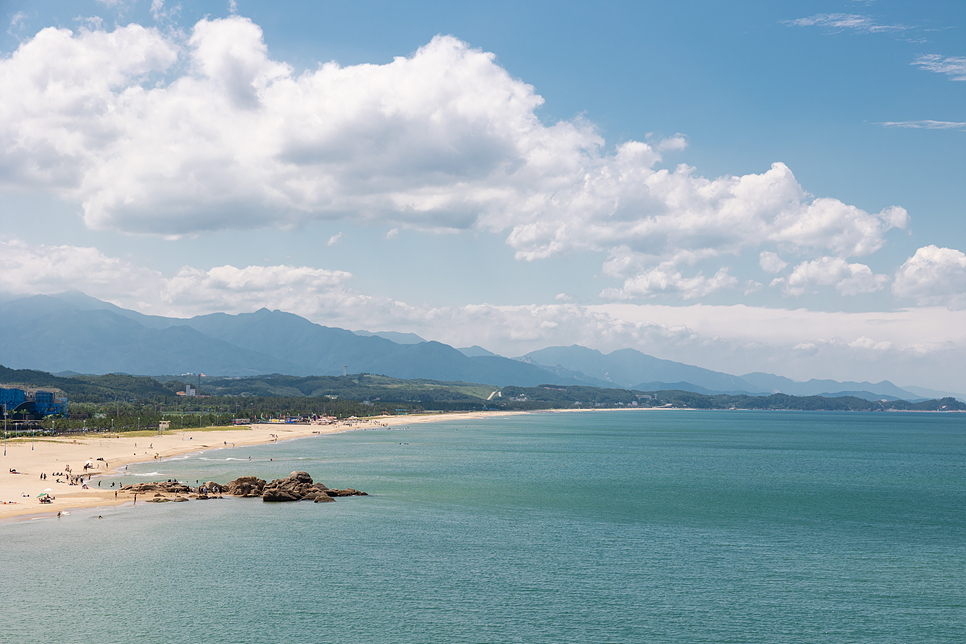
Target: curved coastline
x=51, y=455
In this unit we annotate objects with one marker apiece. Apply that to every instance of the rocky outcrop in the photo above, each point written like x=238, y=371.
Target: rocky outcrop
x=162, y=487
x=346, y=492
x=297, y=486
x=247, y=486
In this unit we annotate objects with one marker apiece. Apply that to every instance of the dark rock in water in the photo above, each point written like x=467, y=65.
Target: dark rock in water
x=346, y=492
x=292, y=488
x=247, y=486
x=299, y=486
x=280, y=495
x=179, y=499
x=164, y=487
x=301, y=477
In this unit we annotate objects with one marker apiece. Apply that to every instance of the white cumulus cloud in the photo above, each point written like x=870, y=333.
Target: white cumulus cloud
x=933, y=276
x=666, y=280
x=770, y=262
x=155, y=133
x=848, y=279
x=231, y=289
x=869, y=344
x=27, y=269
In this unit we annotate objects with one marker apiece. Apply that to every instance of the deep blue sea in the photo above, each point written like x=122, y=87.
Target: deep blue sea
x=657, y=526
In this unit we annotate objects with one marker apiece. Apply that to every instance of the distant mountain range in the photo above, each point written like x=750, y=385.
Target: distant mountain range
x=72, y=332
x=632, y=369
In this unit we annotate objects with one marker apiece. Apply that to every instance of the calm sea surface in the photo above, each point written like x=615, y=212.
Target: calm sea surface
x=593, y=527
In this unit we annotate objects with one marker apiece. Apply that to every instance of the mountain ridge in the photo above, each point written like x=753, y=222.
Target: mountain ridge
x=73, y=332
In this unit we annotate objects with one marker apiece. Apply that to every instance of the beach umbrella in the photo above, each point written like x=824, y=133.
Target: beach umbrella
x=48, y=489
x=41, y=494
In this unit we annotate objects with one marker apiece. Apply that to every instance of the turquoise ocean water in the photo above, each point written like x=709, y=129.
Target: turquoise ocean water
x=680, y=526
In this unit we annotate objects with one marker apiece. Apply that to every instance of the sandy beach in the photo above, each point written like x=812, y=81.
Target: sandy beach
x=52, y=456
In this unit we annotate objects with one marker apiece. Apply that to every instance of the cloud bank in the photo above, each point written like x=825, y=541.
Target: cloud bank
x=157, y=134
x=903, y=345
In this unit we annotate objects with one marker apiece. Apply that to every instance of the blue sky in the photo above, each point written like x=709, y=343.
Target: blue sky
x=744, y=186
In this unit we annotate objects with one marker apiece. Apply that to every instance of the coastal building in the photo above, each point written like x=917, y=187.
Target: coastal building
x=10, y=399
x=37, y=404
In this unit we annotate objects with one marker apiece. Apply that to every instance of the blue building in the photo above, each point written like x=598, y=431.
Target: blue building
x=10, y=399
x=46, y=405
x=39, y=403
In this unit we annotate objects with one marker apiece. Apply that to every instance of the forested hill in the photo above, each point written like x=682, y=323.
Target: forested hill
x=90, y=388
x=418, y=394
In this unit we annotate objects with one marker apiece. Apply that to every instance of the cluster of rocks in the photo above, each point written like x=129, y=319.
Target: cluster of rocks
x=297, y=486
x=161, y=489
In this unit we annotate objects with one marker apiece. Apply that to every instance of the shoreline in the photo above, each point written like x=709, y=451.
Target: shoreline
x=19, y=492
x=110, y=453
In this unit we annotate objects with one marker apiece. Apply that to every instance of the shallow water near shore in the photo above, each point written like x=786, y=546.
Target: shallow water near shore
x=680, y=526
